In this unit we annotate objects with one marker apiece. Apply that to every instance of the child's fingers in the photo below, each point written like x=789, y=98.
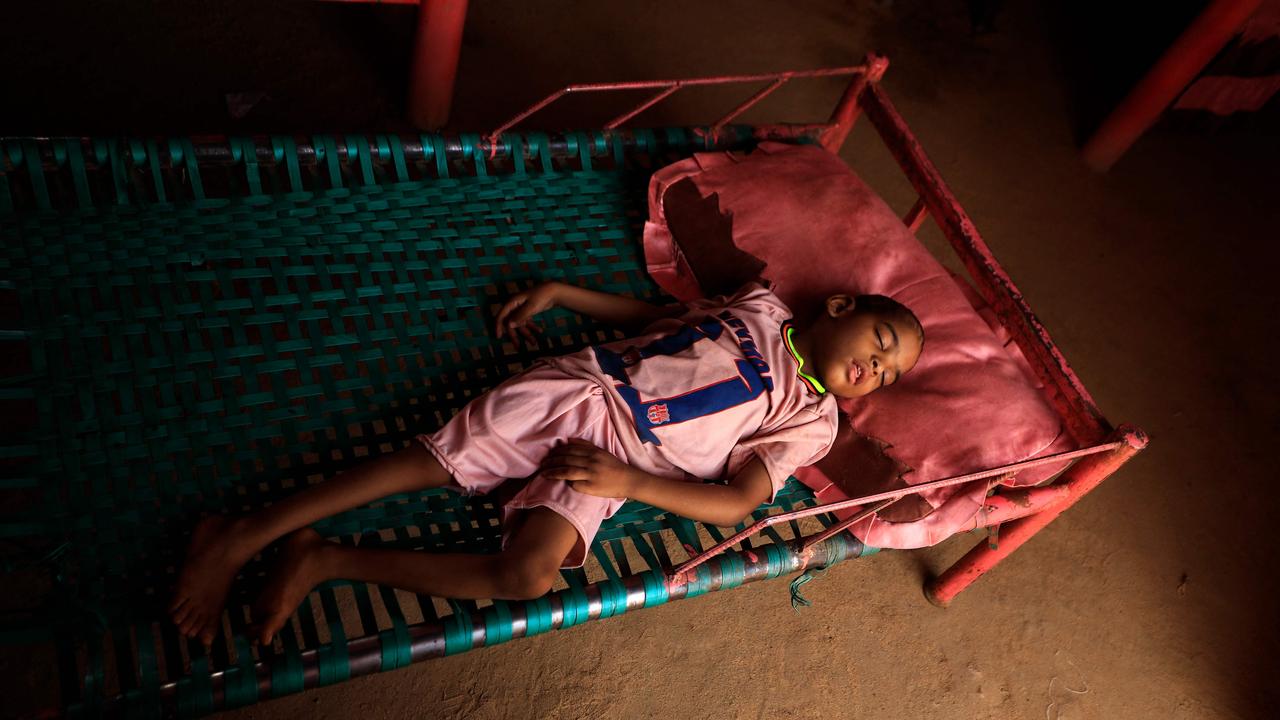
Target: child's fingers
x=255, y=635
x=589, y=487
x=508, y=308
x=566, y=461
x=206, y=639
x=566, y=473
x=502, y=317
x=567, y=465
x=180, y=616
x=514, y=331
x=188, y=626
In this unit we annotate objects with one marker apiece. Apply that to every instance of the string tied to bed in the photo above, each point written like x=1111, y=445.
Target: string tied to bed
x=798, y=600
x=868, y=505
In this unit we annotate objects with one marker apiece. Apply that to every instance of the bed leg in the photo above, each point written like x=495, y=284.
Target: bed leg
x=436, y=47
x=1082, y=477
x=1190, y=54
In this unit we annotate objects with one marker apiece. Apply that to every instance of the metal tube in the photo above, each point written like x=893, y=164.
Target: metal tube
x=640, y=108
x=850, y=105
x=746, y=104
x=716, y=79
x=850, y=522
x=496, y=135
x=436, y=47
x=216, y=150
x=665, y=84
x=916, y=215
x=427, y=640
x=1177, y=67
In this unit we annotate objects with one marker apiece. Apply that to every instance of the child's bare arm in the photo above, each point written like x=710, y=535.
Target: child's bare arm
x=720, y=505
x=595, y=471
x=622, y=312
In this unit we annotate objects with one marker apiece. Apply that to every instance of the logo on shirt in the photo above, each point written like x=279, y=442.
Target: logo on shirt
x=657, y=414
x=744, y=381
x=748, y=346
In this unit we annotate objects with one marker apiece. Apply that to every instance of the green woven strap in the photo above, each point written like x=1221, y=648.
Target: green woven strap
x=187, y=352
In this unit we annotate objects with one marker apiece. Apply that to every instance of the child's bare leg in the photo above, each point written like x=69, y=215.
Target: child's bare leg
x=525, y=570
x=220, y=545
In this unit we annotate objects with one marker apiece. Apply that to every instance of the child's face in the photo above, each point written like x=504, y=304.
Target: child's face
x=857, y=354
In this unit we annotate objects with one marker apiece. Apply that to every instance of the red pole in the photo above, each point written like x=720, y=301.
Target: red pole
x=1082, y=477
x=435, y=61
x=849, y=107
x=1179, y=65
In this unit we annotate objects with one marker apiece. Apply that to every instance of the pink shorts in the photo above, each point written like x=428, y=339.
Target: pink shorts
x=508, y=431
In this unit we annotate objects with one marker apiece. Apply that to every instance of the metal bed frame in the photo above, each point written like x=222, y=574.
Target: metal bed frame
x=1103, y=448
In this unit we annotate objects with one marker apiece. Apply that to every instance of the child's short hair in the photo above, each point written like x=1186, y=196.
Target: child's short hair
x=890, y=309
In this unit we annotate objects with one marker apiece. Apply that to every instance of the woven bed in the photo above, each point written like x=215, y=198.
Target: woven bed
x=206, y=337
x=205, y=325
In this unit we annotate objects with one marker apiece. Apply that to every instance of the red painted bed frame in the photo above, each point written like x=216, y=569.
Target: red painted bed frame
x=1103, y=448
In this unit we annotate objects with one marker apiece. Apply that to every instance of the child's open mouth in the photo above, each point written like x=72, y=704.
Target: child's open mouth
x=856, y=373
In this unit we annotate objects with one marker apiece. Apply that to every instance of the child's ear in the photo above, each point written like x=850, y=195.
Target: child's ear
x=838, y=305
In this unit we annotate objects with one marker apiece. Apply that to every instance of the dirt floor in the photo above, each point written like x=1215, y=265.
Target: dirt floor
x=1155, y=597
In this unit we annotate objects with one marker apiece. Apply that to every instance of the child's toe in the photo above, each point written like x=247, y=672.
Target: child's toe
x=183, y=614
x=191, y=624
x=258, y=633
x=270, y=626
x=208, y=633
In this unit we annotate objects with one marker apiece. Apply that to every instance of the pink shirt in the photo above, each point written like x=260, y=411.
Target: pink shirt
x=704, y=393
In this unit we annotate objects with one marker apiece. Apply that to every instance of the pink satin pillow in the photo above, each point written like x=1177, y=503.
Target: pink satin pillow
x=969, y=404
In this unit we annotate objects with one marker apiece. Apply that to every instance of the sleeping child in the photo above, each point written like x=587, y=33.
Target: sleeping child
x=705, y=413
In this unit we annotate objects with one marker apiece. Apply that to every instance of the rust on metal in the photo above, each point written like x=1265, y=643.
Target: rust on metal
x=1079, y=412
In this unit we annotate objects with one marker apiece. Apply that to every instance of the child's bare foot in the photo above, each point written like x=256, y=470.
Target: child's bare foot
x=295, y=572
x=213, y=558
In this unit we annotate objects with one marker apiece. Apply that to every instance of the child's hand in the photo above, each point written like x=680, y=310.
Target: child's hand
x=590, y=470
x=517, y=314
